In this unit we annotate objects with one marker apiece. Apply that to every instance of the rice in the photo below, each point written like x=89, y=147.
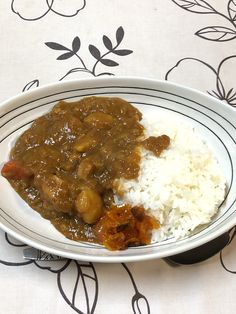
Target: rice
x=182, y=188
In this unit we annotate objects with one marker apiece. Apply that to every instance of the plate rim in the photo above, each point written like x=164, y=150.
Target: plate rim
x=44, y=89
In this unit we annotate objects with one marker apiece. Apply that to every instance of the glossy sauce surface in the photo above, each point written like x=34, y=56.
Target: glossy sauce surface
x=65, y=164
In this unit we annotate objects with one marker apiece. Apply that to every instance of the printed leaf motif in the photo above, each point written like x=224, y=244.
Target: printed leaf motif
x=197, y=6
x=231, y=96
x=94, y=52
x=216, y=33
x=119, y=35
x=105, y=73
x=229, y=93
x=107, y=42
x=139, y=301
x=122, y=52
x=56, y=46
x=66, y=55
x=109, y=62
x=79, y=287
x=140, y=304
x=76, y=44
x=101, y=58
x=74, y=70
x=30, y=85
x=232, y=10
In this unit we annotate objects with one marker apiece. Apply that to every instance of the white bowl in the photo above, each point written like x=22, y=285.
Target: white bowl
x=214, y=119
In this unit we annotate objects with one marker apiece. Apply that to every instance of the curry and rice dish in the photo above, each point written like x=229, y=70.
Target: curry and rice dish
x=102, y=172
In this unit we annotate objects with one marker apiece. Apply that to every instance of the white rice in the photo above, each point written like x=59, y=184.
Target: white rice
x=182, y=188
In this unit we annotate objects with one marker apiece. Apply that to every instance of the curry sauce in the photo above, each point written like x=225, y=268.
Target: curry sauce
x=65, y=165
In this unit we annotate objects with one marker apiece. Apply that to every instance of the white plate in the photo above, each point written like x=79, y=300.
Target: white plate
x=214, y=120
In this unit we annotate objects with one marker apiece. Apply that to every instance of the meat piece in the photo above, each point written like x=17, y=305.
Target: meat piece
x=85, y=168
x=88, y=166
x=156, y=144
x=89, y=205
x=55, y=191
x=71, y=160
x=16, y=171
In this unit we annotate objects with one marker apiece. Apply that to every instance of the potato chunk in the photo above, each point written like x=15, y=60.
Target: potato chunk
x=85, y=143
x=99, y=119
x=89, y=205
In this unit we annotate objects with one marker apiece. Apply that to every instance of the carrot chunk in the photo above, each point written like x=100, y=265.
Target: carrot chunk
x=15, y=170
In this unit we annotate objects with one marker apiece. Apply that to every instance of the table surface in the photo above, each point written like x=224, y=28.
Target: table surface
x=190, y=42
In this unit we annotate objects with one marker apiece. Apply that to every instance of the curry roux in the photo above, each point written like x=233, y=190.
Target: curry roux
x=65, y=164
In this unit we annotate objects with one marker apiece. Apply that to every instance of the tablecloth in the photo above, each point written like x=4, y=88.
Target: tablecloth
x=190, y=42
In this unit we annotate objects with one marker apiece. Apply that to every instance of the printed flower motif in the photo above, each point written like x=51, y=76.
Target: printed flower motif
x=215, y=82
x=13, y=250
x=77, y=281
x=32, y=10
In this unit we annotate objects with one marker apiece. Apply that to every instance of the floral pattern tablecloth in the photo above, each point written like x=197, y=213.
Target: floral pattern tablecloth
x=191, y=42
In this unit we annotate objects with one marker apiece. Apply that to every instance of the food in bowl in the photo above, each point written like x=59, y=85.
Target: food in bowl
x=102, y=172
x=184, y=187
